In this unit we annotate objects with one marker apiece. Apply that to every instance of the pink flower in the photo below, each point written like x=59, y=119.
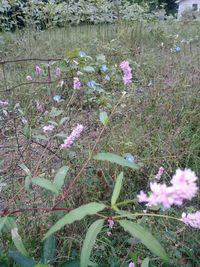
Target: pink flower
x=29, y=78
x=192, y=219
x=127, y=78
x=3, y=104
x=131, y=264
x=110, y=223
x=159, y=174
x=48, y=129
x=39, y=106
x=183, y=187
x=58, y=72
x=38, y=70
x=77, y=83
x=142, y=197
x=73, y=136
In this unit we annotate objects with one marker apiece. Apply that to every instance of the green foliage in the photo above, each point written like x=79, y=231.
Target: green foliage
x=49, y=249
x=145, y=237
x=116, y=159
x=21, y=260
x=89, y=241
x=76, y=215
x=117, y=189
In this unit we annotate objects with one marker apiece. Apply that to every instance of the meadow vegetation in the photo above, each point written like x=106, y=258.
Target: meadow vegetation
x=152, y=121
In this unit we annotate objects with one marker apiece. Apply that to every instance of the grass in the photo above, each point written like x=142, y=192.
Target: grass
x=158, y=120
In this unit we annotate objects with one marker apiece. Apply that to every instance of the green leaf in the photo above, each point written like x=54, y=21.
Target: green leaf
x=2, y=222
x=28, y=183
x=72, y=53
x=89, y=69
x=61, y=135
x=117, y=188
x=89, y=241
x=101, y=58
x=60, y=177
x=49, y=249
x=145, y=238
x=24, y=168
x=145, y=262
x=63, y=120
x=116, y=159
x=55, y=112
x=76, y=215
x=10, y=224
x=45, y=184
x=16, y=238
x=72, y=263
x=103, y=116
x=21, y=260
x=41, y=137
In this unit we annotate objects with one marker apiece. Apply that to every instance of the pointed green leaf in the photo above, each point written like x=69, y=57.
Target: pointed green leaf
x=145, y=262
x=21, y=260
x=28, y=183
x=72, y=53
x=117, y=188
x=24, y=168
x=49, y=249
x=16, y=238
x=103, y=116
x=89, y=241
x=45, y=184
x=145, y=238
x=76, y=215
x=41, y=137
x=89, y=69
x=60, y=177
x=2, y=222
x=116, y=159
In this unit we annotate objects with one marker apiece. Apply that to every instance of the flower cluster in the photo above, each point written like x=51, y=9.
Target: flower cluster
x=38, y=70
x=73, y=136
x=183, y=187
x=159, y=174
x=77, y=83
x=192, y=219
x=48, y=129
x=127, y=78
x=3, y=104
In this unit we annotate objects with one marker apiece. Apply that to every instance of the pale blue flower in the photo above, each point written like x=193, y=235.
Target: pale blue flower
x=178, y=49
x=104, y=67
x=57, y=98
x=130, y=157
x=91, y=84
x=107, y=78
x=82, y=54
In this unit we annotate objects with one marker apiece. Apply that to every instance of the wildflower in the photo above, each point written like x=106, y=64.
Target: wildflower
x=29, y=78
x=91, y=84
x=3, y=104
x=38, y=70
x=39, y=106
x=177, y=49
x=130, y=157
x=56, y=98
x=77, y=83
x=48, y=129
x=82, y=54
x=58, y=72
x=159, y=174
x=127, y=78
x=192, y=219
x=110, y=223
x=183, y=187
x=131, y=264
x=107, y=78
x=104, y=67
x=142, y=197
x=73, y=136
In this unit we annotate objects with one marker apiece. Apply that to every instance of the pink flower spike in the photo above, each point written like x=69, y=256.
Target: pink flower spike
x=127, y=78
x=3, y=104
x=73, y=136
x=159, y=174
x=77, y=83
x=142, y=197
x=131, y=264
x=110, y=223
x=48, y=129
x=192, y=219
x=29, y=78
x=38, y=70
